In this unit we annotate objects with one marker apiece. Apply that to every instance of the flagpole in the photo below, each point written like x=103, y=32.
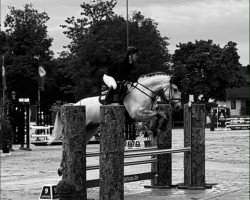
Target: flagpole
x=0, y=15
x=2, y=55
x=38, y=98
x=127, y=24
x=3, y=102
x=38, y=94
x=3, y=99
x=41, y=79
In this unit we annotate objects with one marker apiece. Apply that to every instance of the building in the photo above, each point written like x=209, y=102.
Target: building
x=238, y=99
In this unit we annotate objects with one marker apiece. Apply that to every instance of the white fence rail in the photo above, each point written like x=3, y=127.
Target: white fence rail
x=237, y=123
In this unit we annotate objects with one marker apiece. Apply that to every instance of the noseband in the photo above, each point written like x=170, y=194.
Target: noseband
x=170, y=95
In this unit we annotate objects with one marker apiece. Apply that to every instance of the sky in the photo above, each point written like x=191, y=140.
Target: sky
x=180, y=20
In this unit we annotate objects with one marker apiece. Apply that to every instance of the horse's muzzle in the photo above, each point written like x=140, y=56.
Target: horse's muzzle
x=177, y=108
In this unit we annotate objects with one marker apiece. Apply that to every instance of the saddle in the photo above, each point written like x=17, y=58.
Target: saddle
x=109, y=95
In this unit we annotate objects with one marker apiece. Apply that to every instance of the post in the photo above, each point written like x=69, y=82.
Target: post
x=163, y=166
x=38, y=118
x=21, y=125
x=112, y=153
x=74, y=148
x=164, y=141
x=194, y=137
x=27, y=125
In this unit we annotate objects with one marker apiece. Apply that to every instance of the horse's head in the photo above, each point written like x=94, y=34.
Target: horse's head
x=163, y=87
x=141, y=97
x=172, y=95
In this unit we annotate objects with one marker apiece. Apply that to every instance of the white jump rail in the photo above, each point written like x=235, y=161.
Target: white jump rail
x=45, y=128
x=44, y=135
x=150, y=152
x=41, y=127
x=37, y=135
x=233, y=123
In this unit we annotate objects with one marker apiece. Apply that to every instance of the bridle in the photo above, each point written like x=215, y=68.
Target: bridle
x=170, y=95
x=156, y=94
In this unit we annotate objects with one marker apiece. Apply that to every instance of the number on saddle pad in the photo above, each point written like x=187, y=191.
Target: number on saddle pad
x=104, y=91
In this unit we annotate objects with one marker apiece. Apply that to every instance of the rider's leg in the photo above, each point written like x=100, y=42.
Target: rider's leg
x=121, y=92
x=109, y=95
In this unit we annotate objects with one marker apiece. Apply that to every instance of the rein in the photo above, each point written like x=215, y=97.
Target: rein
x=159, y=93
x=170, y=95
x=152, y=98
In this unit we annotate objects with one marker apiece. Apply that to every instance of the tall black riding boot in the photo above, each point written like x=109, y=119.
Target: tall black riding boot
x=109, y=95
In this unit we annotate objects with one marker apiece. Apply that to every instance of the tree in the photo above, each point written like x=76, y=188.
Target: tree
x=208, y=69
x=3, y=43
x=27, y=39
x=98, y=39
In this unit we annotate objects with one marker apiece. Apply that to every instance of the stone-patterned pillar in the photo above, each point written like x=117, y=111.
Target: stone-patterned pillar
x=112, y=153
x=74, y=148
x=194, y=137
x=163, y=166
x=164, y=141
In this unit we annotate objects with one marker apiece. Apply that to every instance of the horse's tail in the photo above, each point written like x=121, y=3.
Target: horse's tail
x=57, y=131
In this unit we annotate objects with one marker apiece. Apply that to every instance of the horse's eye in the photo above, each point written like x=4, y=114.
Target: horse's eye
x=175, y=90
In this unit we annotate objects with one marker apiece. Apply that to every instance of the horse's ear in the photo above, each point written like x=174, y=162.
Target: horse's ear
x=176, y=81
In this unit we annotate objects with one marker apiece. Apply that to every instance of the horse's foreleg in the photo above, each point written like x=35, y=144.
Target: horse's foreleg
x=143, y=114
x=163, y=114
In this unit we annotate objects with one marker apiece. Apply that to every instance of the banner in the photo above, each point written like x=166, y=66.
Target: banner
x=4, y=78
x=42, y=74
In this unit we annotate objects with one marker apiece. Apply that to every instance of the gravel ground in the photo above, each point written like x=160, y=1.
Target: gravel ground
x=23, y=173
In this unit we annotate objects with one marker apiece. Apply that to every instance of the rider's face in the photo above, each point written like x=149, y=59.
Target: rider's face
x=135, y=57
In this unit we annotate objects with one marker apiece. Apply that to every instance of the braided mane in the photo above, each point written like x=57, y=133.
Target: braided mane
x=153, y=74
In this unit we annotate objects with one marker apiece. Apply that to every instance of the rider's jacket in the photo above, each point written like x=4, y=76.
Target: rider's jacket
x=121, y=71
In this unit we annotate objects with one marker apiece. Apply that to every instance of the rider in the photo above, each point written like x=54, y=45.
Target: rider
x=120, y=72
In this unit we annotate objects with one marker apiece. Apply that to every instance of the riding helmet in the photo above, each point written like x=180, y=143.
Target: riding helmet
x=132, y=50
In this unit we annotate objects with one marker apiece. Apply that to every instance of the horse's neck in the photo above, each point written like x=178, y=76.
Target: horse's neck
x=141, y=97
x=155, y=83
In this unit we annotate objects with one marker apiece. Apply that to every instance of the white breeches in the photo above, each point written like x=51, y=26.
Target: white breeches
x=109, y=81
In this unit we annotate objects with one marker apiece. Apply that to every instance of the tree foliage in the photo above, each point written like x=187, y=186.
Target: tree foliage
x=207, y=68
x=27, y=39
x=27, y=32
x=3, y=43
x=98, y=39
